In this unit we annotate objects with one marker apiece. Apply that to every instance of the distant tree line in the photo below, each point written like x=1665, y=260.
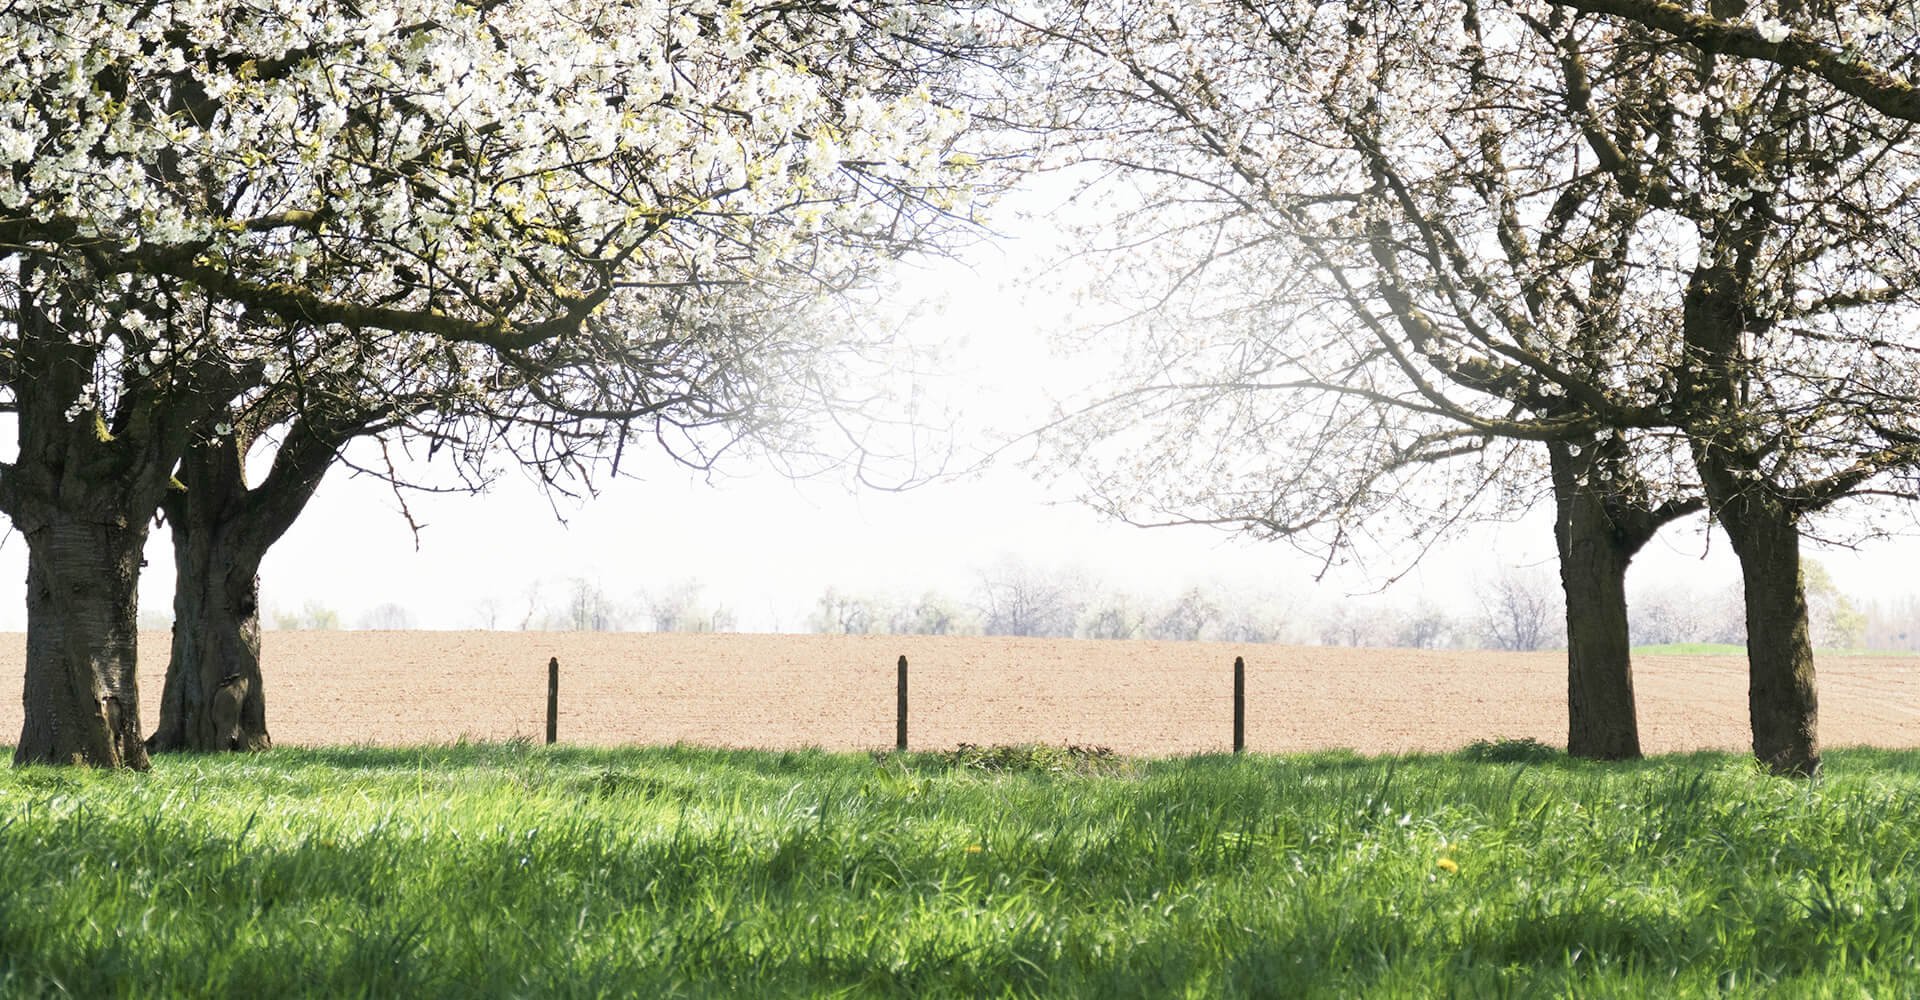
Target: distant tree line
x=1516, y=610
x=586, y=606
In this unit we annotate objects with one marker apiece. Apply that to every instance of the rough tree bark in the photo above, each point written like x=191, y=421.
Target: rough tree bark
x=1594, y=553
x=1782, y=699
x=1763, y=527
x=214, y=697
x=82, y=490
x=75, y=493
x=82, y=700
x=1600, y=524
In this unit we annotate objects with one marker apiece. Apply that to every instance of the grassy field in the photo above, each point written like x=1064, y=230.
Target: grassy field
x=1735, y=649
x=506, y=870
x=1694, y=649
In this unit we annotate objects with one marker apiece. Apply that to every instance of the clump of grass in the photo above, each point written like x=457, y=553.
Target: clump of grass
x=613, y=781
x=1032, y=757
x=1511, y=750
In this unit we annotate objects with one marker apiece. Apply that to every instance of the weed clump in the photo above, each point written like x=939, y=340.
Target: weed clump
x=612, y=782
x=1522, y=750
x=1034, y=757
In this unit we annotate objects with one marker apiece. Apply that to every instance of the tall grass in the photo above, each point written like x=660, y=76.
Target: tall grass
x=504, y=870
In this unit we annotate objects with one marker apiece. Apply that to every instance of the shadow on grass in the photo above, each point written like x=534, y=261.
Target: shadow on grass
x=1027, y=759
x=521, y=753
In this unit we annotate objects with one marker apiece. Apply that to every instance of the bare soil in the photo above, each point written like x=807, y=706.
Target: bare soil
x=837, y=692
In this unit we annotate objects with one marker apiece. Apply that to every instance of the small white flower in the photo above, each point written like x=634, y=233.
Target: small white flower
x=1866, y=24
x=1773, y=31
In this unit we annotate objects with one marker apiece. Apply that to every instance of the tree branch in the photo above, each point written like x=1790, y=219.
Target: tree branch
x=1886, y=92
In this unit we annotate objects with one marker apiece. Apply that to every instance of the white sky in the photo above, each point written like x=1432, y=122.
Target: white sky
x=766, y=547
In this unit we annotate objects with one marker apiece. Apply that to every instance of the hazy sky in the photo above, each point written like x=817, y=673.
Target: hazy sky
x=766, y=547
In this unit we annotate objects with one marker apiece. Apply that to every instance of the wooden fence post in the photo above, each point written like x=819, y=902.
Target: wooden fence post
x=1239, y=704
x=900, y=714
x=553, y=700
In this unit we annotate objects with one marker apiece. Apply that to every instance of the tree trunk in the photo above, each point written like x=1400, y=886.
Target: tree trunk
x=82, y=490
x=1595, y=548
x=1781, y=696
x=82, y=699
x=1763, y=525
x=213, y=699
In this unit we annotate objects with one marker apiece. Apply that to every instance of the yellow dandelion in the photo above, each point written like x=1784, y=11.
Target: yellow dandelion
x=1448, y=865
x=974, y=848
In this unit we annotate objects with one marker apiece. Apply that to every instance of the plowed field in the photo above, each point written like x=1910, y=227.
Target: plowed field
x=838, y=692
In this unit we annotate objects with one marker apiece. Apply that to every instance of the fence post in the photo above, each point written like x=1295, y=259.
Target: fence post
x=900, y=714
x=1239, y=704
x=553, y=700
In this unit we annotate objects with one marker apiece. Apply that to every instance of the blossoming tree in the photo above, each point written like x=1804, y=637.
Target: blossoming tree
x=1860, y=50
x=202, y=204
x=1539, y=226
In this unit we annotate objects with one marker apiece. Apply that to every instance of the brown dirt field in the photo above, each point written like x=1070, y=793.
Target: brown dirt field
x=837, y=692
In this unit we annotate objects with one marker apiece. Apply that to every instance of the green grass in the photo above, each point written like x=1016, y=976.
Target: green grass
x=1735, y=649
x=506, y=870
x=1691, y=649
